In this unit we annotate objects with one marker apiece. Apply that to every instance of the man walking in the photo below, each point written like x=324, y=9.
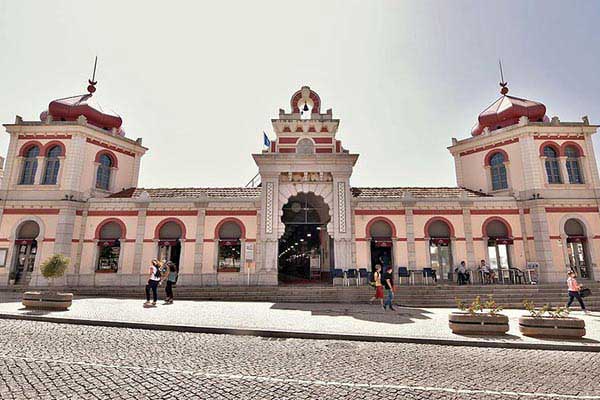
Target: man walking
x=388, y=285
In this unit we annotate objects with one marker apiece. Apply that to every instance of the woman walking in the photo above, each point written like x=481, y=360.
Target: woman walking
x=173, y=271
x=153, y=281
x=378, y=285
x=574, y=289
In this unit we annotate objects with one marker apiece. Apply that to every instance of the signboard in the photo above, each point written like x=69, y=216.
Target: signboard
x=249, y=251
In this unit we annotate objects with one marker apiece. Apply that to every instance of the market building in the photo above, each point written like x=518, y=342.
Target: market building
x=527, y=194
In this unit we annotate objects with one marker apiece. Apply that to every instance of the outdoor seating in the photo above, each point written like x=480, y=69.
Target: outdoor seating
x=518, y=276
x=429, y=273
x=403, y=272
x=352, y=276
x=338, y=276
x=363, y=276
x=504, y=275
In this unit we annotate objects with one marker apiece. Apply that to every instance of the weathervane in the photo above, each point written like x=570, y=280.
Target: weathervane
x=503, y=84
x=92, y=83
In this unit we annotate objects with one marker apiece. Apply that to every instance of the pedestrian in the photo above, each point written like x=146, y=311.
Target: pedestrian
x=153, y=281
x=388, y=285
x=172, y=274
x=463, y=273
x=574, y=288
x=378, y=285
x=487, y=273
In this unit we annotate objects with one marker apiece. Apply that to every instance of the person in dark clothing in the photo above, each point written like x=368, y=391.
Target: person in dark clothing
x=153, y=281
x=172, y=271
x=388, y=285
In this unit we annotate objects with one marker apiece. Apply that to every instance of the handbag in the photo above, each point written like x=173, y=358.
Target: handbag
x=585, y=292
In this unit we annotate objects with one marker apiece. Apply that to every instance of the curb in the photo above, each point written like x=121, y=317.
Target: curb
x=271, y=333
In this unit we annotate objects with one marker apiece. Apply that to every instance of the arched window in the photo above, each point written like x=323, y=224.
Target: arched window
x=30, y=166
x=52, y=166
x=498, y=171
x=104, y=170
x=230, y=247
x=109, y=246
x=552, y=166
x=573, y=166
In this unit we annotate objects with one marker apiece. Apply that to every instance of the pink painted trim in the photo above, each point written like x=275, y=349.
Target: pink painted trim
x=564, y=146
x=230, y=219
x=110, y=154
x=550, y=143
x=166, y=221
x=25, y=148
x=106, y=221
x=52, y=143
x=499, y=219
x=377, y=219
x=442, y=219
x=489, y=156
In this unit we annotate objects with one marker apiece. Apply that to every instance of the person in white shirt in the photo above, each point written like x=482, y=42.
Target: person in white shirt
x=153, y=281
x=487, y=273
x=463, y=273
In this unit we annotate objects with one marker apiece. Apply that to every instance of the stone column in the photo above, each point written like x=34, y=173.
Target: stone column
x=410, y=236
x=138, y=256
x=270, y=230
x=197, y=277
x=342, y=223
x=64, y=235
x=525, y=234
x=543, y=247
x=469, y=244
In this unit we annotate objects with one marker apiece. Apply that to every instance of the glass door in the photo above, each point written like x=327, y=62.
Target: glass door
x=577, y=258
x=441, y=259
x=25, y=262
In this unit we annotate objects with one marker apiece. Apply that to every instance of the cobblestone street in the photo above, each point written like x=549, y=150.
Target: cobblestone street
x=53, y=361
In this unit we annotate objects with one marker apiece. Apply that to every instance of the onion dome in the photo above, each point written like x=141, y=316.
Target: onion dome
x=506, y=111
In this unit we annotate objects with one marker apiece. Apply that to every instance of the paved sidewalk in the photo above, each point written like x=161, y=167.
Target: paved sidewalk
x=335, y=321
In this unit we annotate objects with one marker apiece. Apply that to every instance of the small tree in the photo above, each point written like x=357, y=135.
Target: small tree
x=54, y=267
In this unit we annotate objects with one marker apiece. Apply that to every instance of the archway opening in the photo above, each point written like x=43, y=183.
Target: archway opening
x=26, y=249
x=169, y=242
x=109, y=247
x=577, y=247
x=499, y=242
x=440, y=249
x=381, y=234
x=305, y=248
x=230, y=247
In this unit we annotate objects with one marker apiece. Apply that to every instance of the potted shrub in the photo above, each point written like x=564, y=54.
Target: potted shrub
x=478, y=318
x=550, y=322
x=52, y=268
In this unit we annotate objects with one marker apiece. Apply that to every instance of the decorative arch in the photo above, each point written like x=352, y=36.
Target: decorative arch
x=49, y=145
x=380, y=219
x=166, y=221
x=571, y=143
x=25, y=148
x=499, y=219
x=489, y=156
x=580, y=218
x=441, y=219
x=323, y=190
x=313, y=96
x=108, y=220
x=23, y=220
x=552, y=144
x=110, y=154
x=230, y=219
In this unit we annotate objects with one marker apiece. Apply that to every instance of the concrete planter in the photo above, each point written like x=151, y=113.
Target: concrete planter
x=465, y=323
x=47, y=301
x=568, y=328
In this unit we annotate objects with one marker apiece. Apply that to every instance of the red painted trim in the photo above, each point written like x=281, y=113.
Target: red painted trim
x=530, y=238
x=505, y=211
x=31, y=211
x=377, y=219
x=596, y=237
x=273, y=143
x=437, y=212
x=190, y=240
x=494, y=218
x=288, y=140
x=52, y=143
x=338, y=146
x=299, y=129
x=174, y=213
x=420, y=239
x=361, y=239
x=110, y=147
x=287, y=150
x=166, y=221
x=106, y=221
x=323, y=140
x=74, y=240
x=250, y=240
x=110, y=154
x=571, y=209
x=489, y=156
x=49, y=240
x=209, y=240
x=558, y=137
x=230, y=219
x=379, y=212
x=550, y=143
x=311, y=129
x=478, y=239
x=573, y=144
x=460, y=239
x=442, y=219
x=324, y=129
x=79, y=212
x=323, y=150
x=401, y=239
x=148, y=240
x=88, y=240
x=526, y=211
x=25, y=148
x=517, y=238
x=115, y=213
x=45, y=137
x=554, y=237
x=286, y=129
x=490, y=146
x=230, y=213
x=129, y=240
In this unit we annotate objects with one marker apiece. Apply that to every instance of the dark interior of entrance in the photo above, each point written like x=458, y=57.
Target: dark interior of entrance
x=305, y=254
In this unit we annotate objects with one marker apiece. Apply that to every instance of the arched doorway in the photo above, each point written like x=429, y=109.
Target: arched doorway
x=499, y=241
x=109, y=246
x=440, y=247
x=577, y=247
x=381, y=233
x=26, y=249
x=305, y=248
x=169, y=242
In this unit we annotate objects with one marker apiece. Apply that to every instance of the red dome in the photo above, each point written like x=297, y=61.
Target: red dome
x=70, y=108
x=506, y=111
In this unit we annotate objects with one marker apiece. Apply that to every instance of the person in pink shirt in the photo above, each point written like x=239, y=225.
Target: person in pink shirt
x=574, y=288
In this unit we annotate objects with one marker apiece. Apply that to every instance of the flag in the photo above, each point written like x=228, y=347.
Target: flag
x=266, y=140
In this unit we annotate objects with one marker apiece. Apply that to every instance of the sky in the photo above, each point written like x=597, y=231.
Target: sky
x=199, y=81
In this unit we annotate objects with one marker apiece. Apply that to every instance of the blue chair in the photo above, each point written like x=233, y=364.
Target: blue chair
x=363, y=275
x=352, y=275
x=338, y=276
x=429, y=273
x=403, y=272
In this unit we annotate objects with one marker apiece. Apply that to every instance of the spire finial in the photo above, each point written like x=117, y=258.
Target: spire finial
x=503, y=84
x=92, y=83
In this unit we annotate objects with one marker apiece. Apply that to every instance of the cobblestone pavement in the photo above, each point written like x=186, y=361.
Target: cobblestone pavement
x=41, y=360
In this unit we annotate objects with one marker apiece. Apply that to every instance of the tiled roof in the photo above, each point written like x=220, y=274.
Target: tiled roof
x=252, y=193
x=161, y=193
x=416, y=192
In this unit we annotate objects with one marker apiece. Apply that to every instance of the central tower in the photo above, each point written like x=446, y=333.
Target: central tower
x=305, y=159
